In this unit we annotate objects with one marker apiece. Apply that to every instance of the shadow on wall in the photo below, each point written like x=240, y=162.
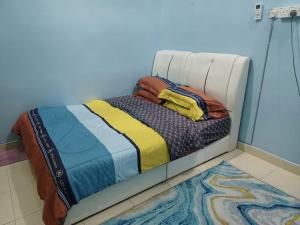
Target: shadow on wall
x=249, y=88
x=68, y=52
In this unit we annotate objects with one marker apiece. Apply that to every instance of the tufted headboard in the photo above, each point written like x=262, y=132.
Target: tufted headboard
x=221, y=76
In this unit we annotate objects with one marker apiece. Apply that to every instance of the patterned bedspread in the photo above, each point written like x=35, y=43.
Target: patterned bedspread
x=182, y=135
x=102, y=143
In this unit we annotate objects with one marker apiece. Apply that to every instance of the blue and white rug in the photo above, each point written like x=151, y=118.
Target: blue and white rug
x=220, y=195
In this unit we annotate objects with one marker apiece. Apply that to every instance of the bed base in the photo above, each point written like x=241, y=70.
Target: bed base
x=128, y=188
x=224, y=77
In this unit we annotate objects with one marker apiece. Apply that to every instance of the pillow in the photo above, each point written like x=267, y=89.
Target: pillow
x=194, y=113
x=185, y=103
x=152, y=87
x=154, y=84
x=147, y=95
x=216, y=110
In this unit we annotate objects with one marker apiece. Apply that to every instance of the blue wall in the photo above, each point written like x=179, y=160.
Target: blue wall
x=55, y=52
x=65, y=52
x=228, y=26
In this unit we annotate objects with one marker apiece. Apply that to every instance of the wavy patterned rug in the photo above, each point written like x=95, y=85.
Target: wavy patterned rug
x=220, y=195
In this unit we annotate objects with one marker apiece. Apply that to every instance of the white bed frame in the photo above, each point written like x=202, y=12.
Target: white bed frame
x=226, y=78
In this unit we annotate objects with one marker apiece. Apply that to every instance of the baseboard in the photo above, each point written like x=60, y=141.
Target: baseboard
x=10, y=145
x=269, y=157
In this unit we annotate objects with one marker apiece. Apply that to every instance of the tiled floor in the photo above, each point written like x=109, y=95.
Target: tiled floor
x=20, y=204
x=11, y=156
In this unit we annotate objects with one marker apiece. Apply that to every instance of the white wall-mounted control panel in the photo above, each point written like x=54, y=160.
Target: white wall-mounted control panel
x=258, y=11
x=285, y=12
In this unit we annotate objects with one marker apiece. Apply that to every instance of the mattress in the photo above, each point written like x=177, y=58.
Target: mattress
x=102, y=143
x=182, y=135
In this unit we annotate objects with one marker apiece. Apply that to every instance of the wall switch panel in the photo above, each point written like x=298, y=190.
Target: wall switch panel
x=258, y=11
x=284, y=12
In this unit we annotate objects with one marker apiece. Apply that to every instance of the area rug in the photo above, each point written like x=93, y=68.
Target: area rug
x=220, y=195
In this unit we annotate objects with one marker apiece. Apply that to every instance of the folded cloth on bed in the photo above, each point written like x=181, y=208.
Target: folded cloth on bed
x=86, y=148
x=147, y=95
x=194, y=113
x=155, y=84
x=216, y=110
x=179, y=98
x=185, y=103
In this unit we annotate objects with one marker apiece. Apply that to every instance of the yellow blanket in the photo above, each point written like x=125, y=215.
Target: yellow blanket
x=152, y=147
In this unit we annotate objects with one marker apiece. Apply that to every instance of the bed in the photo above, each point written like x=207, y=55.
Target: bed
x=141, y=143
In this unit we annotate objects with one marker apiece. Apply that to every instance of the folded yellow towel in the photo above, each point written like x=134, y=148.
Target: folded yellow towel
x=182, y=104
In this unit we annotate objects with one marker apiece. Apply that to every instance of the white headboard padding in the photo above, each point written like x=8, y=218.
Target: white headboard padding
x=221, y=76
x=170, y=62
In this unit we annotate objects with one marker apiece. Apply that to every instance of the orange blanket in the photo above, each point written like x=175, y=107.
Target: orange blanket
x=55, y=211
